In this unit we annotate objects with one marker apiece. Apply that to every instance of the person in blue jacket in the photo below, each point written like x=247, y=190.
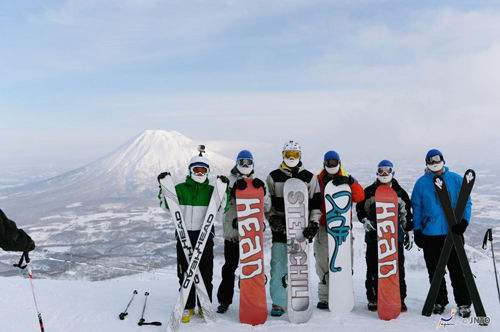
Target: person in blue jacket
x=431, y=229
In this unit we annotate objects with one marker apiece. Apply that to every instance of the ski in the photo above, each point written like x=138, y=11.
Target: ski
x=250, y=211
x=218, y=195
x=170, y=196
x=296, y=198
x=444, y=198
x=388, y=292
x=463, y=196
x=338, y=207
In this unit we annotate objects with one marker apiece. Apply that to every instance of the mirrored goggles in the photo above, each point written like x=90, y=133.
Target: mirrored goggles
x=331, y=163
x=199, y=170
x=245, y=162
x=384, y=171
x=291, y=154
x=434, y=160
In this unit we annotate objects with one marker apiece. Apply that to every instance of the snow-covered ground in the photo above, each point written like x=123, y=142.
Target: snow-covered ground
x=93, y=306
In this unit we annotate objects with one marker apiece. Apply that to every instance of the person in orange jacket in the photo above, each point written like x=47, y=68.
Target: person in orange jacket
x=332, y=171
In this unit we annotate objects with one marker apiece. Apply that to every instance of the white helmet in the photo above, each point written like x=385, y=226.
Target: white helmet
x=291, y=153
x=199, y=161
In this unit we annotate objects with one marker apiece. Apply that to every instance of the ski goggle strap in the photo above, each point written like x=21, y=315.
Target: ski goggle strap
x=434, y=160
x=245, y=162
x=331, y=163
x=384, y=171
x=291, y=154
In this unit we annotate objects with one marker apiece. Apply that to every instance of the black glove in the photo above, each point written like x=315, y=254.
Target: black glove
x=224, y=179
x=419, y=238
x=340, y=180
x=238, y=185
x=163, y=175
x=460, y=228
x=350, y=180
x=277, y=224
x=258, y=183
x=310, y=231
x=235, y=223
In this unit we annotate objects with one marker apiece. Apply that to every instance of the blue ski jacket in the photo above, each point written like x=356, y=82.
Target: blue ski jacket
x=428, y=215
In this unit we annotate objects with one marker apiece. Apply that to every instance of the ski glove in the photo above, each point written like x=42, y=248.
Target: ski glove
x=238, y=185
x=460, y=227
x=277, y=224
x=224, y=179
x=310, y=231
x=419, y=238
x=367, y=225
x=409, y=239
x=258, y=183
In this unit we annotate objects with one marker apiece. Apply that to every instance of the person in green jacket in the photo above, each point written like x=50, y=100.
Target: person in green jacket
x=194, y=195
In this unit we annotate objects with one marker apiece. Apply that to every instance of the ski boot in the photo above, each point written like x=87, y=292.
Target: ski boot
x=372, y=306
x=186, y=315
x=464, y=311
x=438, y=309
x=222, y=308
x=403, y=307
x=323, y=305
x=277, y=311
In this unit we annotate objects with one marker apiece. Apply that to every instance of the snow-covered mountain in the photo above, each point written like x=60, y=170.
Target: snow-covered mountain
x=126, y=175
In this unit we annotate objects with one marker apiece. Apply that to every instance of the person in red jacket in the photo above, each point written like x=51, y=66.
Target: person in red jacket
x=332, y=171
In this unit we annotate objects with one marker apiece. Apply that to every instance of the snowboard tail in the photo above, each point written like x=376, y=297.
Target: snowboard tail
x=250, y=211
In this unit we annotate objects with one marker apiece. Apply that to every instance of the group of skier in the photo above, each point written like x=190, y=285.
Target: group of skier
x=421, y=221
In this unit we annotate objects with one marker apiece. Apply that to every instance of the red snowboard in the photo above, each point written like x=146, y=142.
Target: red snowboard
x=389, y=299
x=250, y=209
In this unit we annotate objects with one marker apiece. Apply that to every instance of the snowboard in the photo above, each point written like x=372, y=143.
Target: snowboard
x=388, y=291
x=296, y=198
x=463, y=196
x=218, y=196
x=169, y=194
x=456, y=240
x=250, y=211
x=338, y=208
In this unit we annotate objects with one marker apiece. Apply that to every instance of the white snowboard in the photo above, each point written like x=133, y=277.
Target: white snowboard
x=338, y=206
x=296, y=198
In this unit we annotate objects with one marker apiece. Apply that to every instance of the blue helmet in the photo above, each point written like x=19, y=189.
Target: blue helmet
x=331, y=155
x=433, y=153
x=244, y=154
x=385, y=163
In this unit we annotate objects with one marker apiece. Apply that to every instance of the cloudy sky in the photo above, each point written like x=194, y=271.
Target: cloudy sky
x=368, y=78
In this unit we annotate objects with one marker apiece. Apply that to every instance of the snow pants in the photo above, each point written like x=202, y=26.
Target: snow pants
x=371, y=283
x=206, y=266
x=232, y=258
x=432, y=250
x=322, y=263
x=279, y=270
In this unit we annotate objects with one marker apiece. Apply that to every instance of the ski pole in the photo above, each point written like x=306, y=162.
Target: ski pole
x=488, y=236
x=125, y=313
x=25, y=258
x=142, y=321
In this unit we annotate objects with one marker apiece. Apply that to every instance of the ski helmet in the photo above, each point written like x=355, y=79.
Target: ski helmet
x=244, y=162
x=434, y=160
x=199, y=167
x=291, y=153
x=331, y=162
x=385, y=171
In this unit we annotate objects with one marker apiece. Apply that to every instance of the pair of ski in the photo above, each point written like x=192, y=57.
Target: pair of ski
x=193, y=255
x=453, y=240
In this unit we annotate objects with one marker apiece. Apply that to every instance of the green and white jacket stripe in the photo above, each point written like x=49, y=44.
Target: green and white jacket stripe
x=230, y=233
x=193, y=199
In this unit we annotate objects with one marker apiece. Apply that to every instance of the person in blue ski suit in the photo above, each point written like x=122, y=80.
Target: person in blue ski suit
x=431, y=229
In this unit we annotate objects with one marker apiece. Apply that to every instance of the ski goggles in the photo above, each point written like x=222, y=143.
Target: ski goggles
x=331, y=163
x=245, y=162
x=199, y=170
x=434, y=160
x=291, y=154
x=384, y=171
